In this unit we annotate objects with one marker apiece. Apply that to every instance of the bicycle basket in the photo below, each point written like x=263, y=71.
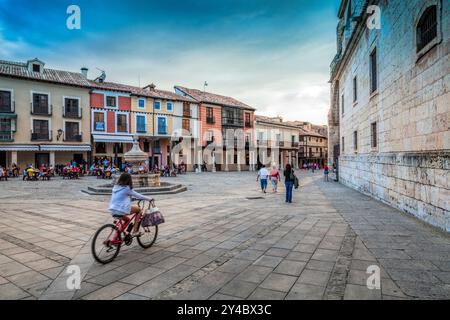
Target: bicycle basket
x=152, y=217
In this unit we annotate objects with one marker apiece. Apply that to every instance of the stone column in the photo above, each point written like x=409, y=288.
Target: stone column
x=214, y=162
x=238, y=161
x=52, y=158
x=14, y=157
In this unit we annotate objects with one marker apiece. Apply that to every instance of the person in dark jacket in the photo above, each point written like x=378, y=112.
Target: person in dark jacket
x=289, y=179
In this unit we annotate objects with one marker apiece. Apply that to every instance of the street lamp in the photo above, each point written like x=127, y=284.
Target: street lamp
x=60, y=132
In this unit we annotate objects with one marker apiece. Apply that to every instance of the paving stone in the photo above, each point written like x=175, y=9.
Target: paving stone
x=268, y=261
x=109, y=292
x=10, y=291
x=142, y=276
x=130, y=296
x=27, y=278
x=255, y=274
x=234, y=265
x=314, y=277
x=199, y=261
x=301, y=291
x=250, y=254
x=277, y=252
x=290, y=267
x=219, y=296
x=12, y=268
x=266, y=294
x=169, y=263
x=299, y=256
x=325, y=255
x=238, y=288
x=320, y=265
x=355, y=292
x=278, y=282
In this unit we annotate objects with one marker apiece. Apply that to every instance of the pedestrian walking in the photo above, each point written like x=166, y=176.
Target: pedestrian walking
x=289, y=179
x=326, y=170
x=263, y=174
x=274, y=178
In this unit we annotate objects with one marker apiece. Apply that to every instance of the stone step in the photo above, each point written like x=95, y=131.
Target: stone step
x=146, y=191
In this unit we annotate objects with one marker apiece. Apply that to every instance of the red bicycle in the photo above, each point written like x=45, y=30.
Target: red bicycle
x=110, y=237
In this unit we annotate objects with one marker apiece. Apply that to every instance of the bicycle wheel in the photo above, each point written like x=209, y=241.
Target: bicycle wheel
x=104, y=247
x=148, y=237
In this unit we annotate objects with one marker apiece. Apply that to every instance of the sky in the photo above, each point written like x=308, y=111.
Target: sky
x=273, y=55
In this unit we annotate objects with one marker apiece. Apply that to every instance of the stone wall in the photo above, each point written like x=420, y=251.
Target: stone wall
x=409, y=168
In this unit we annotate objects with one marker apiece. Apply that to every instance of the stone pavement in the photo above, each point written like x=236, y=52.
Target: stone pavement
x=223, y=239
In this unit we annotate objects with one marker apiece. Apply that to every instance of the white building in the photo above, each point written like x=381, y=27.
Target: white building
x=389, y=122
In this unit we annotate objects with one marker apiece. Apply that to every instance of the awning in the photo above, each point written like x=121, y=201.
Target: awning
x=62, y=147
x=18, y=147
x=112, y=138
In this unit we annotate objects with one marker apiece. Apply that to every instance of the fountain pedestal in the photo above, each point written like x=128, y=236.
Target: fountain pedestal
x=136, y=157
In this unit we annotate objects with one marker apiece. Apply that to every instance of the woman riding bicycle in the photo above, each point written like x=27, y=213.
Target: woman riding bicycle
x=120, y=204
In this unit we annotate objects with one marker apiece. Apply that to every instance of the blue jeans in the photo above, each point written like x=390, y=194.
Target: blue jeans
x=263, y=184
x=289, y=187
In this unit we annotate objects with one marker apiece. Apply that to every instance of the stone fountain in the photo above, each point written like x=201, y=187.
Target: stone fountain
x=148, y=184
x=136, y=157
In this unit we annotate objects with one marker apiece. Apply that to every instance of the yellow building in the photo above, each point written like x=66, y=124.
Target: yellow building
x=44, y=115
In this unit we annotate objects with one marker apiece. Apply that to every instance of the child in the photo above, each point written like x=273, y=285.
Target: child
x=325, y=172
x=274, y=178
x=120, y=204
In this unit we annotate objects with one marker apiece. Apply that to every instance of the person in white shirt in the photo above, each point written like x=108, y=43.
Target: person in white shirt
x=263, y=174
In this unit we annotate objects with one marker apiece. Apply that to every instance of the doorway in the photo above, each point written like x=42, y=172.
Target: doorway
x=78, y=158
x=42, y=159
x=3, y=158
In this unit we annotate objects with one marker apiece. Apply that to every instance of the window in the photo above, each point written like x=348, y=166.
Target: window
x=293, y=139
x=140, y=124
x=355, y=89
x=169, y=106
x=355, y=140
x=146, y=146
x=427, y=28
x=373, y=131
x=141, y=103
x=111, y=101
x=100, y=147
x=373, y=71
x=72, y=131
x=186, y=124
x=157, y=105
x=248, y=123
x=40, y=130
x=209, y=115
x=230, y=117
x=162, y=125
x=99, y=121
x=40, y=104
x=71, y=107
x=260, y=136
x=210, y=136
x=36, y=67
x=122, y=123
x=343, y=144
x=6, y=128
x=342, y=104
x=5, y=101
x=186, y=109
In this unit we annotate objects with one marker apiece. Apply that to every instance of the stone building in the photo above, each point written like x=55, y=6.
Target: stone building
x=389, y=121
x=277, y=141
x=44, y=115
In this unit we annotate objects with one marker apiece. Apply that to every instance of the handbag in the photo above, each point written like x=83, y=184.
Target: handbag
x=296, y=183
x=152, y=217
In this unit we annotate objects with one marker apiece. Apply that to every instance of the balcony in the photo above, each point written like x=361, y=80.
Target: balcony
x=232, y=122
x=42, y=136
x=211, y=120
x=74, y=138
x=187, y=113
x=71, y=114
x=41, y=110
x=6, y=136
x=262, y=143
x=8, y=109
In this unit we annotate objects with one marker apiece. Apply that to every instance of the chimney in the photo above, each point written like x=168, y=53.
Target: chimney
x=150, y=87
x=84, y=71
